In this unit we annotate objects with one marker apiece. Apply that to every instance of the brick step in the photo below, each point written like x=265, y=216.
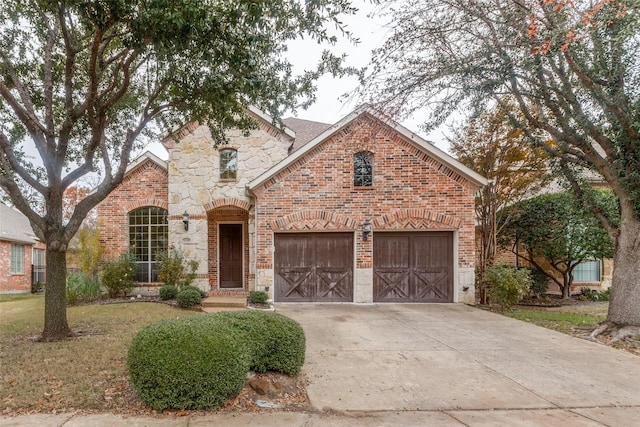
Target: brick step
x=226, y=301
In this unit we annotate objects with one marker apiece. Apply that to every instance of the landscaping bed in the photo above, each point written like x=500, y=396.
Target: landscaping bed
x=89, y=373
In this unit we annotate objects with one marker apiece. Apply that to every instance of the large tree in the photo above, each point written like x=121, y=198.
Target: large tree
x=83, y=82
x=493, y=147
x=573, y=69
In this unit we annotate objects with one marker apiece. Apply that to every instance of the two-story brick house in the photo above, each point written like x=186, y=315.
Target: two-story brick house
x=360, y=211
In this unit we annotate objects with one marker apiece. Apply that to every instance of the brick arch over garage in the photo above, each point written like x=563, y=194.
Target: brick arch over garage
x=314, y=220
x=135, y=204
x=227, y=201
x=415, y=219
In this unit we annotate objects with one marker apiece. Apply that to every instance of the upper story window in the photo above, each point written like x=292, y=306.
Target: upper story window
x=17, y=259
x=228, y=163
x=363, y=169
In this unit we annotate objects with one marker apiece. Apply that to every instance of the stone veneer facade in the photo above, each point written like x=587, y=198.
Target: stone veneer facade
x=195, y=187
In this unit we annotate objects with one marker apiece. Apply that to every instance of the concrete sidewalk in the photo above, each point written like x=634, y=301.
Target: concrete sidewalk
x=429, y=364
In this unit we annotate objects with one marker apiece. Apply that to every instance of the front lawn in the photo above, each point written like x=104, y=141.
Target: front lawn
x=88, y=372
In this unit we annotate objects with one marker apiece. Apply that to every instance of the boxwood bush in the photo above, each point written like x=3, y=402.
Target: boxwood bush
x=278, y=343
x=168, y=292
x=188, y=297
x=200, y=362
x=258, y=297
x=202, y=293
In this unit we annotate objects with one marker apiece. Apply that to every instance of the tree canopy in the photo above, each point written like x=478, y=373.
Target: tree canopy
x=83, y=82
x=573, y=71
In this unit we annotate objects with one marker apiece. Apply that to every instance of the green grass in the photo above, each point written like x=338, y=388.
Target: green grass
x=565, y=322
x=87, y=372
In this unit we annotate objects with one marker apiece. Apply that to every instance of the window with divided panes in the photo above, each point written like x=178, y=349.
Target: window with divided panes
x=148, y=238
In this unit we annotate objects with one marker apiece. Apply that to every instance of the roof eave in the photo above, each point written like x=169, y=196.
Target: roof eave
x=423, y=144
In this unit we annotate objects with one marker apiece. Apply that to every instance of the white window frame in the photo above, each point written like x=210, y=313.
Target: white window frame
x=17, y=258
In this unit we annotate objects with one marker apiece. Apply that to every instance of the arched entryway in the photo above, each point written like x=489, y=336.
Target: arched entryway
x=228, y=248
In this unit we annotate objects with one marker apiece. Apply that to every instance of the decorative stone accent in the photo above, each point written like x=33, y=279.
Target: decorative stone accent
x=364, y=285
x=195, y=187
x=259, y=385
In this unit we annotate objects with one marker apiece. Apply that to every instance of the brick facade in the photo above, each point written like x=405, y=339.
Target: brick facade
x=411, y=191
x=227, y=215
x=144, y=185
x=313, y=190
x=16, y=283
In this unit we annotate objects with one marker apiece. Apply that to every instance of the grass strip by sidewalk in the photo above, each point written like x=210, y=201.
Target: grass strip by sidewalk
x=564, y=322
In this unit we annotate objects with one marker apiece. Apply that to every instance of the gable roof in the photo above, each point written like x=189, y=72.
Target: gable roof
x=147, y=155
x=305, y=130
x=15, y=226
x=406, y=134
x=258, y=114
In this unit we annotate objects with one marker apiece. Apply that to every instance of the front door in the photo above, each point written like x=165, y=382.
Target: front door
x=230, y=255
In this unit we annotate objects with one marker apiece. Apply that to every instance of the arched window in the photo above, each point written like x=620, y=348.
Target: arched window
x=228, y=163
x=363, y=169
x=148, y=237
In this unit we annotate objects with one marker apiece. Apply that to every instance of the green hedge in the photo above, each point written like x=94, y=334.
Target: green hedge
x=201, y=362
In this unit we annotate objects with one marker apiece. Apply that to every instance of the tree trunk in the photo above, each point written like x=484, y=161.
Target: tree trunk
x=55, y=302
x=566, y=286
x=624, y=307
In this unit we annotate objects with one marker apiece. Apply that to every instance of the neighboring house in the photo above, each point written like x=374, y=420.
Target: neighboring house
x=21, y=253
x=594, y=274
x=360, y=211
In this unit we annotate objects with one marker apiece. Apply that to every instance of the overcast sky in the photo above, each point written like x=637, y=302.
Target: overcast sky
x=329, y=107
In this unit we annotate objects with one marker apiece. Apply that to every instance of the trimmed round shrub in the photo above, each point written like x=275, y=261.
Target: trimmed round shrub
x=278, y=342
x=188, y=363
x=258, y=297
x=200, y=291
x=200, y=362
x=188, y=298
x=168, y=292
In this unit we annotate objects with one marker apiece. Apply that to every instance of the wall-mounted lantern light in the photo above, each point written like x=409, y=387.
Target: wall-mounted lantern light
x=185, y=220
x=366, y=229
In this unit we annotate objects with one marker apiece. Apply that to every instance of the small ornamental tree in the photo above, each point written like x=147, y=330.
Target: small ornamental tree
x=175, y=269
x=554, y=230
x=490, y=145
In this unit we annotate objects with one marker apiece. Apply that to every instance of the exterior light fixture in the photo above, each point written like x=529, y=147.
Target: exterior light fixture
x=185, y=220
x=366, y=229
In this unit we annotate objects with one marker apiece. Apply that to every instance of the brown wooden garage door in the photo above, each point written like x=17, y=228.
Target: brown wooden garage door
x=314, y=267
x=413, y=267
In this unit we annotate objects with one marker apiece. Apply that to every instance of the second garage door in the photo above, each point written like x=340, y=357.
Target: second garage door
x=314, y=267
x=413, y=267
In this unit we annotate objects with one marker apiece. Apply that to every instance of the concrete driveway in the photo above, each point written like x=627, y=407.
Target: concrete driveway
x=451, y=364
